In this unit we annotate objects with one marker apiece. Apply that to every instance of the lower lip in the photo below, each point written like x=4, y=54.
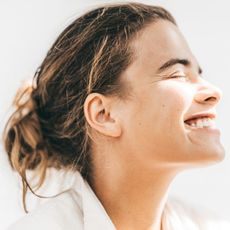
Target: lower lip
x=204, y=130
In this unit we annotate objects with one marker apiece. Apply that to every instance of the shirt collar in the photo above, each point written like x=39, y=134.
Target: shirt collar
x=94, y=214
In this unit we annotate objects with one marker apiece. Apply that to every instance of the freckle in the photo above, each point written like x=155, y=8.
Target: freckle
x=163, y=105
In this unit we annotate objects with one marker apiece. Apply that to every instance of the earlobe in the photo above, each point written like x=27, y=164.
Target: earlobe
x=98, y=113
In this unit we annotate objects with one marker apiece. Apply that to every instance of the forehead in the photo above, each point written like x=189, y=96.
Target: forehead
x=159, y=42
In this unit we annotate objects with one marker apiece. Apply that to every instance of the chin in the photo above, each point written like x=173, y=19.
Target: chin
x=209, y=156
x=204, y=147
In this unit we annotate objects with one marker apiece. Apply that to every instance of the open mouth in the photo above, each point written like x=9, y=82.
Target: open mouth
x=201, y=121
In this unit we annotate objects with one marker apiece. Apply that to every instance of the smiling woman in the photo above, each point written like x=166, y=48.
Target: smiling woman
x=119, y=100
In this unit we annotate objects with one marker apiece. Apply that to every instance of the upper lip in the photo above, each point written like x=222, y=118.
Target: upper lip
x=200, y=115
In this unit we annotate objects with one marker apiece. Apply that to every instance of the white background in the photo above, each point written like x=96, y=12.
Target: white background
x=27, y=30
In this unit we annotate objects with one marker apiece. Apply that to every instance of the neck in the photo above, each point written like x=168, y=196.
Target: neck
x=133, y=198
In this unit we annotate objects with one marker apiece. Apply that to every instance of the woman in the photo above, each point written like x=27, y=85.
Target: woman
x=119, y=100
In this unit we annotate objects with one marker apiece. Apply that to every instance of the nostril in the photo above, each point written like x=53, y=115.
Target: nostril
x=208, y=95
x=211, y=99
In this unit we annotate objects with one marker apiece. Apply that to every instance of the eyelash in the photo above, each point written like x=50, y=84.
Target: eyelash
x=177, y=76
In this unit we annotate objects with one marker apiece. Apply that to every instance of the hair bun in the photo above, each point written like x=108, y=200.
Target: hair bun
x=23, y=100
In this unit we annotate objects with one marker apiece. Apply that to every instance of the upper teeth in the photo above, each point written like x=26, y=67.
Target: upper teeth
x=202, y=123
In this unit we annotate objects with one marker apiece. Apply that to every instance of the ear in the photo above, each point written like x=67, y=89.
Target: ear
x=98, y=111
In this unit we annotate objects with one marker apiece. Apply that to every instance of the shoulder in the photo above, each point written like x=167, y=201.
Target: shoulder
x=181, y=215
x=61, y=212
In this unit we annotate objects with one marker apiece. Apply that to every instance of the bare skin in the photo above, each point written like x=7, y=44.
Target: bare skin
x=132, y=193
x=142, y=143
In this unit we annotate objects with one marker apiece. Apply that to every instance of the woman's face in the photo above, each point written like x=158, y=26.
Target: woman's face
x=169, y=118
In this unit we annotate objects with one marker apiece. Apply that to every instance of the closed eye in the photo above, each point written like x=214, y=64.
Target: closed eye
x=177, y=76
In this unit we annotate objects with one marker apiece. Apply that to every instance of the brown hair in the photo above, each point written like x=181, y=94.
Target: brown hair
x=48, y=127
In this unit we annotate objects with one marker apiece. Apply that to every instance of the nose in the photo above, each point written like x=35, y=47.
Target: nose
x=207, y=93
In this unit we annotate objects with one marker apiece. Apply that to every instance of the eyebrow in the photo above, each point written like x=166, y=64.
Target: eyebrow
x=175, y=61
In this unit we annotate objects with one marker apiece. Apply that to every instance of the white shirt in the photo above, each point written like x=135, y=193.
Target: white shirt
x=78, y=208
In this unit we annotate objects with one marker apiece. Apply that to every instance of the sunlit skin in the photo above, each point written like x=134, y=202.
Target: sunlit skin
x=142, y=143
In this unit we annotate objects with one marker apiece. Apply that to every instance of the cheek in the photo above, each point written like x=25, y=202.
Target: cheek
x=160, y=108
x=175, y=100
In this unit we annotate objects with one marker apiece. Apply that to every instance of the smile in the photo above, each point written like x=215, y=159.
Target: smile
x=201, y=121
x=205, y=122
